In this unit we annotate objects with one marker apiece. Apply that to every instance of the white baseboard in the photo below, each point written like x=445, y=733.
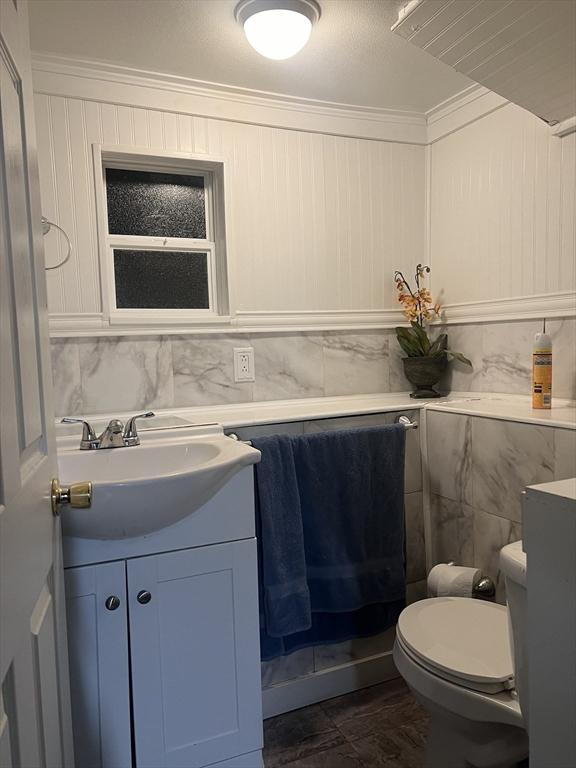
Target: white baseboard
x=328, y=683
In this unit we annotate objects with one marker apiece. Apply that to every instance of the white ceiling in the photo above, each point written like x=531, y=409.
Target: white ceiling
x=352, y=57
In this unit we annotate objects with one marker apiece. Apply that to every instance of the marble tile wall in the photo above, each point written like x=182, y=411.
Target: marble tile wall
x=479, y=470
x=501, y=356
x=107, y=374
x=309, y=660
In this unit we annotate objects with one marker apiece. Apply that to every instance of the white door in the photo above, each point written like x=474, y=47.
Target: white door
x=34, y=699
x=195, y=656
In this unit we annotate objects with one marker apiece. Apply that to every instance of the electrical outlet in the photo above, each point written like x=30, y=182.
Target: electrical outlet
x=243, y=364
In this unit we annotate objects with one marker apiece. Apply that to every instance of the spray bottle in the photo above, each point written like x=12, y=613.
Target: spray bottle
x=542, y=370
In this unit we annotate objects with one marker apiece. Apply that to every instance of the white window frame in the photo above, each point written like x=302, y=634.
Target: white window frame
x=212, y=171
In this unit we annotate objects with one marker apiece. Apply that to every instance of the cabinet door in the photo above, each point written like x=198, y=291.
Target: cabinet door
x=195, y=656
x=99, y=671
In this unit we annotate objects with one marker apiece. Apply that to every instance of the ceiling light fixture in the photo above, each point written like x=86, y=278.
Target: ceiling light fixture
x=277, y=29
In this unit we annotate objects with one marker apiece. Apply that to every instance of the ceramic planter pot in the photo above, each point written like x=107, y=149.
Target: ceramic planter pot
x=423, y=373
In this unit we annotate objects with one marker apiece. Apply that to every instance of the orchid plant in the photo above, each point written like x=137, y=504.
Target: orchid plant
x=420, y=310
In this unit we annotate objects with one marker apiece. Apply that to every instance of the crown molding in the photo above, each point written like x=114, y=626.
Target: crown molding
x=126, y=86
x=564, y=128
x=460, y=110
x=99, y=81
x=453, y=103
x=101, y=70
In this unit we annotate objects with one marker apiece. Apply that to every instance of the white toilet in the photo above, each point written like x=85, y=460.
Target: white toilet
x=464, y=660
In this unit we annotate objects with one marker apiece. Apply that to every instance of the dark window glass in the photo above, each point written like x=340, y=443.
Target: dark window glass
x=155, y=204
x=161, y=280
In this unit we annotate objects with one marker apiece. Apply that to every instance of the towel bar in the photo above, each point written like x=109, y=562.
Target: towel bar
x=234, y=436
x=404, y=420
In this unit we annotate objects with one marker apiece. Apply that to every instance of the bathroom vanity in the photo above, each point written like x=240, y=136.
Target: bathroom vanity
x=163, y=626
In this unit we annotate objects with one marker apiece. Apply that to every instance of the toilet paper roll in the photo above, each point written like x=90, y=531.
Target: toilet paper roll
x=449, y=580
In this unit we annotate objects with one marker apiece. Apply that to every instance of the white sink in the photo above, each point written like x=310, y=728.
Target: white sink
x=144, y=488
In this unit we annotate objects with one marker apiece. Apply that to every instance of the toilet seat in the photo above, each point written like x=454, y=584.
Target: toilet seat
x=461, y=640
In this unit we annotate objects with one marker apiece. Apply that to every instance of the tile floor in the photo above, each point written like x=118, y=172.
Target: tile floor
x=378, y=727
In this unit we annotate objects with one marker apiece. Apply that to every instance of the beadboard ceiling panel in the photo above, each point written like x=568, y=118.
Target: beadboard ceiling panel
x=525, y=50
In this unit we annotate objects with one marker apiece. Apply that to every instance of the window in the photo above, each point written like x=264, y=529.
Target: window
x=164, y=243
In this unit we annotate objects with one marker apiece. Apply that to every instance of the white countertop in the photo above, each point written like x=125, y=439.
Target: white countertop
x=510, y=408
x=497, y=406
x=564, y=489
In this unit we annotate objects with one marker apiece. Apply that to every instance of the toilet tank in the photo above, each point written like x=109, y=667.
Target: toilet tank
x=513, y=566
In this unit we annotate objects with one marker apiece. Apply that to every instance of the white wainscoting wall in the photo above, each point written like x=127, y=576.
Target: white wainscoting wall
x=314, y=221
x=319, y=216
x=502, y=202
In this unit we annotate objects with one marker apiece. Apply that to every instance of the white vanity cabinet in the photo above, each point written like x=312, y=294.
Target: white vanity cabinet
x=99, y=664
x=192, y=655
x=164, y=646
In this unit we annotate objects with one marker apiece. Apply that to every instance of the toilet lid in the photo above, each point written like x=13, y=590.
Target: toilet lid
x=464, y=640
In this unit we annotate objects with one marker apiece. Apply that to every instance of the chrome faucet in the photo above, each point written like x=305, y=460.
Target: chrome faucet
x=116, y=435
x=112, y=436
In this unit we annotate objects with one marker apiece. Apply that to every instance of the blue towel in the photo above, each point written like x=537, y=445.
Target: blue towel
x=351, y=486
x=284, y=594
x=331, y=535
x=330, y=628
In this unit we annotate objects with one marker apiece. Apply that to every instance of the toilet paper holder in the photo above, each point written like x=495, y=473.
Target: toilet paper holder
x=484, y=589
x=449, y=579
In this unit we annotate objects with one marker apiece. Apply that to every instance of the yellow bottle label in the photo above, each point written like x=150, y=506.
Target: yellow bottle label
x=542, y=380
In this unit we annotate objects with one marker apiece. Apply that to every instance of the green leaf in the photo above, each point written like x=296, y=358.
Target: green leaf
x=422, y=337
x=409, y=346
x=458, y=356
x=438, y=346
x=408, y=341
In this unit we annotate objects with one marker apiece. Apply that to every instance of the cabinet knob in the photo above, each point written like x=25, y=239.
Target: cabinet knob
x=112, y=602
x=143, y=596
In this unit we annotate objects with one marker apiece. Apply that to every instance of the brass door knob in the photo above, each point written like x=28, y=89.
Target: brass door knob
x=77, y=495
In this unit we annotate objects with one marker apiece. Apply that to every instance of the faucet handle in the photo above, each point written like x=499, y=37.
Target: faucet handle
x=89, y=439
x=130, y=431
